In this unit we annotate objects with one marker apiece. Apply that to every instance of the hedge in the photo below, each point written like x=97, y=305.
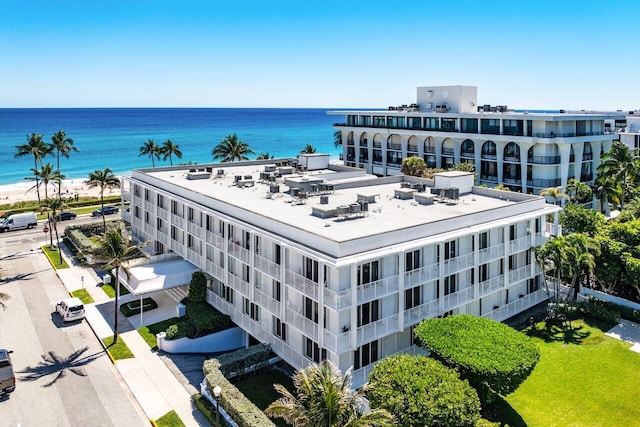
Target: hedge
x=207, y=409
x=31, y=206
x=238, y=362
x=241, y=409
x=202, y=319
x=133, y=307
x=494, y=357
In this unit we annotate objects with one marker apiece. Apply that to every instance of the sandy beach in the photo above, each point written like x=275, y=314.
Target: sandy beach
x=26, y=191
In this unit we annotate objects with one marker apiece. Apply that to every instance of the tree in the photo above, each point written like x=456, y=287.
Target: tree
x=413, y=166
x=420, y=391
x=151, y=149
x=580, y=253
x=51, y=206
x=46, y=175
x=550, y=257
x=492, y=356
x=169, y=149
x=337, y=139
x=554, y=193
x=578, y=219
x=308, y=149
x=264, y=156
x=198, y=287
x=324, y=398
x=502, y=187
x=35, y=147
x=116, y=248
x=606, y=190
x=231, y=149
x=620, y=164
x=63, y=145
x=103, y=179
x=578, y=191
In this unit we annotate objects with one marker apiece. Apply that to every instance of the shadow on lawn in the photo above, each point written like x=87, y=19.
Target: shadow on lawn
x=501, y=411
x=559, y=331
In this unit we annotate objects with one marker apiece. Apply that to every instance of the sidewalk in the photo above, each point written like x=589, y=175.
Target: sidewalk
x=154, y=386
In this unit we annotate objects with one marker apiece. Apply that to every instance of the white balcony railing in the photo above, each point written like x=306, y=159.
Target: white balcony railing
x=177, y=247
x=216, y=271
x=422, y=275
x=520, y=244
x=306, y=286
x=337, y=299
x=163, y=213
x=194, y=229
x=337, y=343
x=457, y=299
x=150, y=230
x=458, y=263
x=195, y=258
x=239, y=285
x=214, y=239
x=150, y=207
x=517, y=306
x=239, y=252
x=267, y=301
x=378, y=329
x=177, y=221
x=491, y=285
x=378, y=289
x=519, y=274
x=416, y=314
x=300, y=322
x=491, y=253
x=267, y=266
x=126, y=215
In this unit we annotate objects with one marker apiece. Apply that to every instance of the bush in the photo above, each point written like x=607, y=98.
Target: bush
x=420, y=391
x=237, y=362
x=183, y=328
x=131, y=308
x=198, y=287
x=494, y=357
x=241, y=409
x=206, y=407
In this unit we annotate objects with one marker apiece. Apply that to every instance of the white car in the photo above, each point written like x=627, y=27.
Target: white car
x=70, y=309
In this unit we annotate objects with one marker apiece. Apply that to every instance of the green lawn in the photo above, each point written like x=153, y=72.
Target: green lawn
x=84, y=296
x=584, y=378
x=111, y=291
x=170, y=419
x=260, y=391
x=119, y=350
x=149, y=332
x=54, y=256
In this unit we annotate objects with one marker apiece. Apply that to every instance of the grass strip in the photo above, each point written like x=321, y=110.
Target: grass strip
x=170, y=419
x=118, y=350
x=54, y=257
x=111, y=291
x=149, y=332
x=84, y=296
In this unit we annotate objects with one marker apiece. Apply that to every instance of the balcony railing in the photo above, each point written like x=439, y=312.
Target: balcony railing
x=447, y=152
x=337, y=343
x=215, y=240
x=267, y=301
x=195, y=258
x=391, y=146
x=239, y=285
x=163, y=213
x=378, y=329
x=467, y=154
x=239, y=252
x=378, y=289
x=194, y=229
x=544, y=183
x=491, y=285
x=177, y=221
x=429, y=150
x=519, y=274
x=489, y=178
x=458, y=263
x=517, y=306
x=337, y=299
x=520, y=244
x=177, y=247
x=421, y=275
x=543, y=160
x=302, y=284
x=301, y=323
x=512, y=159
x=457, y=299
x=149, y=206
x=491, y=253
x=216, y=271
x=267, y=266
x=488, y=156
x=416, y=314
x=150, y=230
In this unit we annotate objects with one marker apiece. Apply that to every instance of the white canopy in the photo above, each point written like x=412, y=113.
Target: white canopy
x=152, y=277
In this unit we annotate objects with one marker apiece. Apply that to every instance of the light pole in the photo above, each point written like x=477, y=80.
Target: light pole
x=216, y=393
x=82, y=281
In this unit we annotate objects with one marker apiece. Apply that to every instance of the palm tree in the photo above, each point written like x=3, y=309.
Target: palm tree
x=116, y=248
x=231, y=149
x=337, y=139
x=4, y=297
x=308, y=149
x=621, y=165
x=149, y=148
x=550, y=257
x=578, y=191
x=606, y=190
x=45, y=175
x=555, y=193
x=52, y=206
x=35, y=147
x=103, y=179
x=580, y=253
x=264, y=156
x=169, y=149
x=324, y=398
x=63, y=145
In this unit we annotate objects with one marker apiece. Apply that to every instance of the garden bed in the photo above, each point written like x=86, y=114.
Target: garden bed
x=133, y=307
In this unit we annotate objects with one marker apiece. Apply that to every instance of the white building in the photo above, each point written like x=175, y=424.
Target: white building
x=630, y=134
x=329, y=262
x=527, y=151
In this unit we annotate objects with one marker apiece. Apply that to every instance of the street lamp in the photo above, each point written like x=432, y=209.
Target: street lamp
x=216, y=393
x=82, y=281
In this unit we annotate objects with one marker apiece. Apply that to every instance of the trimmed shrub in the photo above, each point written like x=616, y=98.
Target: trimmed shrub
x=420, y=391
x=133, y=307
x=238, y=362
x=207, y=408
x=492, y=356
x=183, y=328
x=202, y=319
x=198, y=287
x=241, y=409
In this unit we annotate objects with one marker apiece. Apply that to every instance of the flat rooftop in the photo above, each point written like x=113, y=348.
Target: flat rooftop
x=253, y=201
x=529, y=115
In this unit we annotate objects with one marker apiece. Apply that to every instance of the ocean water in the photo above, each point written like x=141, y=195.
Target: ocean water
x=111, y=137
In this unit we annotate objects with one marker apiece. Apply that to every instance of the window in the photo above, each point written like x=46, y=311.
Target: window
x=251, y=309
x=256, y=244
x=208, y=223
x=177, y=208
x=450, y=284
x=532, y=285
x=136, y=190
x=365, y=355
x=136, y=211
x=313, y=352
x=277, y=291
x=278, y=250
x=227, y=293
x=161, y=201
x=512, y=232
x=279, y=329
x=310, y=269
x=537, y=225
x=246, y=239
x=147, y=195
x=412, y=298
x=311, y=309
x=147, y=218
x=484, y=240
x=483, y=273
x=190, y=214
x=450, y=249
x=412, y=260
x=513, y=263
x=368, y=313
x=368, y=272
x=159, y=224
x=527, y=257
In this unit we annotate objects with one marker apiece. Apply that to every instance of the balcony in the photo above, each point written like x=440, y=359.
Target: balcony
x=164, y=238
x=378, y=289
x=239, y=285
x=195, y=258
x=457, y=299
x=267, y=301
x=306, y=286
x=421, y=275
x=458, y=263
x=137, y=200
x=178, y=221
x=517, y=306
x=520, y=244
x=337, y=343
x=467, y=155
x=267, y=266
x=489, y=178
x=150, y=230
x=239, y=252
x=337, y=300
x=544, y=183
x=126, y=215
x=512, y=159
x=149, y=207
x=519, y=274
x=416, y=314
x=301, y=323
x=543, y=160
x=136, y=222
x=488, y=156
x=194, y=229
x=215, y=240
x=378, y=329
x=491, y=253
x=177, y=247
x=216, y=271
x=163, y=213
x=490, y=286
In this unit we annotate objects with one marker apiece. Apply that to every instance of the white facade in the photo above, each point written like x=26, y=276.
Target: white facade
x=315, y=281
x=526, y=151
x=630, y=135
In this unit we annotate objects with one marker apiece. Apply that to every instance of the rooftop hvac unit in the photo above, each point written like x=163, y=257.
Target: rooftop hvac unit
x=274, y=188
x=294, y=192
x=342, y=210
x=324, y=200
x=354, y=208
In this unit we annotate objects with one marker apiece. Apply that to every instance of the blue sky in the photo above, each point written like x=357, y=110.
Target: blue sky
x=534, y=55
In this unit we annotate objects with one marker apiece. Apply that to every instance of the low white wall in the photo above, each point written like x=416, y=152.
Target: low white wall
x=227, y=340
x=610, y=298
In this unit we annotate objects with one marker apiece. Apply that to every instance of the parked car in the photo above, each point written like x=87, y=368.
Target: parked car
x=107, y=210
x=7, y=376
x=70, y=309
x=64, y=216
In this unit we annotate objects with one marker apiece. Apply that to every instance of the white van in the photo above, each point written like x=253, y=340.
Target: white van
x=19, y=221
x=70, y=309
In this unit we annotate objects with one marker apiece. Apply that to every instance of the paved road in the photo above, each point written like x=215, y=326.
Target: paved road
x=64, y=378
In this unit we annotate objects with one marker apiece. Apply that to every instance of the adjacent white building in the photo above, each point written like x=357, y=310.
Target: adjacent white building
x=527, y=151
x=322, y=261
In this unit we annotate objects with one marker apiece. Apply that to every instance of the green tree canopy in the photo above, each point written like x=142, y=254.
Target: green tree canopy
x=198, y=287
x=37, y=148
x=492, y=356
x=231, y=149
x=63, y=145
x=308, y=149
x=414, y=166
x=152, y=150
x=103, y=179
x=577, y=218
x=420, y=391
x=169, y=149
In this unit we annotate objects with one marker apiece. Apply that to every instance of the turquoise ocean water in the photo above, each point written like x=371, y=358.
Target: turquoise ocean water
x=111, y=137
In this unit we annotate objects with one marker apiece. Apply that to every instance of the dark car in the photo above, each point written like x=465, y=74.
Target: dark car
x=107, y=210
x=64, y=216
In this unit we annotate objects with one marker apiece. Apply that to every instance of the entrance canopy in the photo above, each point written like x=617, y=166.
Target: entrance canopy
x=157, y=276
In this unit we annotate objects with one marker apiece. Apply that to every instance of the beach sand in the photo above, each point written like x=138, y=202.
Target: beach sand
x=25, y=191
